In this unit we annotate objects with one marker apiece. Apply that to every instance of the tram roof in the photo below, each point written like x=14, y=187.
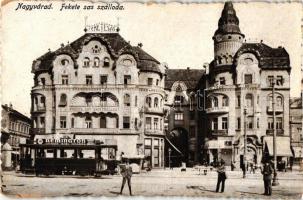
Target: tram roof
x=69, y=146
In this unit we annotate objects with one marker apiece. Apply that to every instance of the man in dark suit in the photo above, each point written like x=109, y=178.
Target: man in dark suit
x=126, y=172
x=221, y=176
x=267, y=177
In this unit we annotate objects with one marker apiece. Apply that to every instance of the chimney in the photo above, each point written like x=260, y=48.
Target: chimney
x=10, y=105
x=62, y=45
x=140, y=45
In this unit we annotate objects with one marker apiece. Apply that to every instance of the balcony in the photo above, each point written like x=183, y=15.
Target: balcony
x=220, y=87
x=39, y=109
x=278, y=109
x=154, y=132
x=278, y=132
x=92, y=109
x=37, y=131
x=218, y=110
x=105, y=131
x=219, y=132
x=154, y=110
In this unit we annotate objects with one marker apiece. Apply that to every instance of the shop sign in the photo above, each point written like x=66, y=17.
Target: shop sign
x=61, y=141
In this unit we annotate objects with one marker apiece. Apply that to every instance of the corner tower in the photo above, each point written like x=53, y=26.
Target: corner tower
x=228, y=37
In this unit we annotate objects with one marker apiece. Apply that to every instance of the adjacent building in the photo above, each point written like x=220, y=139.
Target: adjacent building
x=15, y=129
x=296, y=117
x=101, y=88
x=239, y=96
x=183, y=116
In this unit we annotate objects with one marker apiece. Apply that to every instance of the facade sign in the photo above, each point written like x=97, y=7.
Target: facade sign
x=61, y=141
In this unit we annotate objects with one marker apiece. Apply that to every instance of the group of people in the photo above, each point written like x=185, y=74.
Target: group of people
x=267, y=172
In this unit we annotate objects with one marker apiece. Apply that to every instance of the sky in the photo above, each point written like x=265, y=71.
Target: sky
x=177, y=34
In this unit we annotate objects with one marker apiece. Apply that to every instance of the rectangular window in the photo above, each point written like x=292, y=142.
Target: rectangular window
x=239, y=101
x=179, y=116
x=64, y=79
x=222, y=80
x=248, y=78
x=88, y=122
x=42, y=122
x=156, y=123
x=103, y=79
x=270, y=80
x=224, y=123
x=147, y=142
x=238, y=123
x=156, y=157
x=42, y=81
x=279, y=123
x=126, y=122
x=215, y=124
x=102, y=122
x=279, y=80
x=250, y=122
x=157, y=82
x=127, y=79
x=89, y=79
x=62, y=121
x=270, y=123
x=148, y=122
x=149, y=81
x=73, y=122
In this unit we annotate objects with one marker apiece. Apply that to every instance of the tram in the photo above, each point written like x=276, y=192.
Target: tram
x=68, y=159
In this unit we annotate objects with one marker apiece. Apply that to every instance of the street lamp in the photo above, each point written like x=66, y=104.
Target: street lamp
x=245, y=144
x=169, y=152
x=275, y=180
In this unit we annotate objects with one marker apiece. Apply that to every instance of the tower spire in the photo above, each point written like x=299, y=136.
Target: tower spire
x=228, y=22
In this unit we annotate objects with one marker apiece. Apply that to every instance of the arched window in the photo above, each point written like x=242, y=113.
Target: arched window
x=88, y=122
x=106, y=62
x=102, y=121
x=214, y=102
x=86, y=62
x=279, y=101
x=249, y=100
x=156, y=102
x=219, y=60
x=88, y=100
x=96, y=62
x=63, y=100
x=224, y=101
x=148, y=101
x=126, y=100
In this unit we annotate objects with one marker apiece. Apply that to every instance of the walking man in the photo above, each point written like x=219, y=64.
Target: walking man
x=221, y=176
x=267, y=177
x=126, y=172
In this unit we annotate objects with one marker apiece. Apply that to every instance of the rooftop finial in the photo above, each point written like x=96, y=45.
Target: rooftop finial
x=85, y=21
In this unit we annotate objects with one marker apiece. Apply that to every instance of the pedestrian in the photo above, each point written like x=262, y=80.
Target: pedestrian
x=221, y=176
x=267, y=177
x=126, y=172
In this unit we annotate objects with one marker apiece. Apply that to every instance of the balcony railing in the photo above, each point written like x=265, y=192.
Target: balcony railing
x=219, y=132
x=277, y=109
x=39, y=109
x=154, y=132
x=91, y=109
x=103, y=131
x=271, y=132
x=224, y=109
x=154, y=110
x=37, y=131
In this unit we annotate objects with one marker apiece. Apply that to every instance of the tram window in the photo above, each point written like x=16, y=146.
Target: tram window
x=87, y=153
x=49, y=153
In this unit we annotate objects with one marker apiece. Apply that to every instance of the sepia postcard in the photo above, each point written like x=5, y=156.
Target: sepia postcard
x=151, y=99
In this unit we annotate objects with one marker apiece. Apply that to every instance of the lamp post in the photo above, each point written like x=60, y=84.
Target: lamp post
x=169, y=152
x=275, y=180
x=245, y=144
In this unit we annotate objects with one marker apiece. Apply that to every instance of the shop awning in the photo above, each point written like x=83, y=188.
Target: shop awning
x=283, y=146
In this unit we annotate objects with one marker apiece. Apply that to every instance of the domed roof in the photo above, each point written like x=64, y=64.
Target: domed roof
x=228, y=22
x=114, y=42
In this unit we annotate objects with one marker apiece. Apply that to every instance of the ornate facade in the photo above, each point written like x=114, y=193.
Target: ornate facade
x=99, y=87
x=183, y=117
x=238, y=93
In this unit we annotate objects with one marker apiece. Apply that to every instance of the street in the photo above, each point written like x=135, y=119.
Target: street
x=155, y=183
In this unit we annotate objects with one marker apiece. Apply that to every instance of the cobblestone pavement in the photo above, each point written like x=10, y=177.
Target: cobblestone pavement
x=154, y=183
